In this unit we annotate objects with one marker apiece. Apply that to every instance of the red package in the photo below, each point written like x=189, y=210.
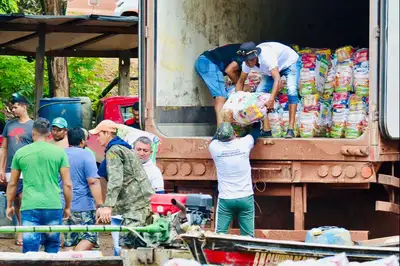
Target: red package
x=309, y=60
x=361, y=55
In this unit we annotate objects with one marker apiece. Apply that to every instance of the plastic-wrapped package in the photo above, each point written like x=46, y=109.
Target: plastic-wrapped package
x=274, y=119
x=326, y=52
x=339, y=118
x=285, y=123
x=230, y=90
x=322, y=67
x=354, y=124
x=307, y=81
x=253, y=80
x=330, y=81
x=356, y=103
x=340, y=100
x=361, y=55
x=283, y=100
x=344, y=76
x=325, y=117
x=308, y=75
x=308, y=124
x=344, y=53
x=361, y=79
x=311, y=103
x=244, y=108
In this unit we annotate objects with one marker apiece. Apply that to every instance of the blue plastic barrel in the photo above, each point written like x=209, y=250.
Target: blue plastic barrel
x=68, y=108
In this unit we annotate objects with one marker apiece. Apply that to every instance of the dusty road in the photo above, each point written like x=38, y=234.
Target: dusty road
x=106, y=245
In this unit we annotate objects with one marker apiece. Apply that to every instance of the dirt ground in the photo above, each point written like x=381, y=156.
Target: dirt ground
x=106, y=245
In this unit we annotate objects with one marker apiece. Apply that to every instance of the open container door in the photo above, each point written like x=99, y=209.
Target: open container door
x=389, y=111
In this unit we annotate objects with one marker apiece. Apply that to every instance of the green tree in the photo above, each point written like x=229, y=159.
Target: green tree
x=8, y=6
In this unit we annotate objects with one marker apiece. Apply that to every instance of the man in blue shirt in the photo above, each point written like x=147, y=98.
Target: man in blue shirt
x=213, y=65
x=86, y=192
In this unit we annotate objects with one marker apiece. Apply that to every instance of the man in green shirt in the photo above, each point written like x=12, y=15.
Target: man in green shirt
x=40, y=163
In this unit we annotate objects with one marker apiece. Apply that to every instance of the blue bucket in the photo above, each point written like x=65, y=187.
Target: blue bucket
x=68, y=108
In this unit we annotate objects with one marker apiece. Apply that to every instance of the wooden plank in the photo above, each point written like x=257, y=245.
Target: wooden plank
x=89, y=41
x=72, y=53
x=70, y=28
x=298, y=207
x=389, y=180
x=295, y=235
x=387, y=207
x=390, y=241
x=124, y=74
x=39, y=69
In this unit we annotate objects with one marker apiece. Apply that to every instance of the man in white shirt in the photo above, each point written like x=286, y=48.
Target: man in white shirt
x=273, y=60
x=143, y=149
x=235, y=188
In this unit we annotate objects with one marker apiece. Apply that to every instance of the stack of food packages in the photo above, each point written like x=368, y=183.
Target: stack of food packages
x=334, y=91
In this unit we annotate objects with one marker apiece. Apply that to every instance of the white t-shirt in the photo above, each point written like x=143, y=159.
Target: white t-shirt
x=154, y=175
x=232, y=161
x=273, y=54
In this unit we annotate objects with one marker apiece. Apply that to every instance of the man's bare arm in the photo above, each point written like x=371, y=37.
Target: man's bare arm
x=67, y=186
x=3, y=159
x=95, y=189
x=232, y=70
x=240, y=83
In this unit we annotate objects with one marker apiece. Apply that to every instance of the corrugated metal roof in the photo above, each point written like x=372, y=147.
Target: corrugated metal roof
x=72, y=36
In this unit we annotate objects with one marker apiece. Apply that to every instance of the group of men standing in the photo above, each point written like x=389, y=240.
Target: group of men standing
x=51, y=166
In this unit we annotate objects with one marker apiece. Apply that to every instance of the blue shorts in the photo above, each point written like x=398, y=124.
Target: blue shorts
x=212, y=76
x=292, y=75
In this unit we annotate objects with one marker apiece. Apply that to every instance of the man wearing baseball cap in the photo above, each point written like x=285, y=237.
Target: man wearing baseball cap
x=273, y=60
x=59, y=131
x=128, y=189
x=235, y=188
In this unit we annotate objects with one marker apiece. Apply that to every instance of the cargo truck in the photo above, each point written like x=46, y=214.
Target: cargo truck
x=299, y=183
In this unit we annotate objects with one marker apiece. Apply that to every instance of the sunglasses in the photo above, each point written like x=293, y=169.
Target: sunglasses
x=244, y=53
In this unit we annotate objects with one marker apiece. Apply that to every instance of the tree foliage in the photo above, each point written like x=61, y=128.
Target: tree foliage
x=8, y=6
x=17, y=74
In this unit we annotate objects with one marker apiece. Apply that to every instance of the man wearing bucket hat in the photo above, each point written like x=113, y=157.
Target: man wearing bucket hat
x=128, y=189
x=213, y=65
x=235, y=188
x=273, y=60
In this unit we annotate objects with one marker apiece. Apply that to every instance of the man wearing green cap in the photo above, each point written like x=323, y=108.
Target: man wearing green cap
x=235, y=188
x=59, y=131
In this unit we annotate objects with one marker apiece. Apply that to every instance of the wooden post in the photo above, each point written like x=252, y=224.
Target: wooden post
x=39, y=68
x=298, y=205
x=124, y=74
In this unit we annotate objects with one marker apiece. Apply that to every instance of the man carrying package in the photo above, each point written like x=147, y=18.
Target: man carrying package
x=213, y=65
x=235, y=188
x=273, y=60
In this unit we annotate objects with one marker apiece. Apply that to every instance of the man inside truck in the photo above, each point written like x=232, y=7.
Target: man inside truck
x=212, y=66
x=134, y=121
x=273, y=60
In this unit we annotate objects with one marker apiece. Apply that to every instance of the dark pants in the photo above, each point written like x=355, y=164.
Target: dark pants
x=51, y=241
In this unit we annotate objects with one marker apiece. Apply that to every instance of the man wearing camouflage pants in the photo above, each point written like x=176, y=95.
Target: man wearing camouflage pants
x=128, y=189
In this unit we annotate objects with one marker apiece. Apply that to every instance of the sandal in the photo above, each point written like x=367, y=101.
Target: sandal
x=18, y=243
